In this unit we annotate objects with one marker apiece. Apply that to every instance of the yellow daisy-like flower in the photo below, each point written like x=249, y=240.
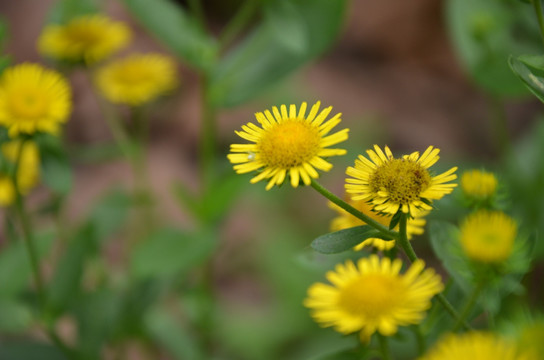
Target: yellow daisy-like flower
x=488, y=236
x=288, y=143
x=137, y=79
x=88, y=38
x=478, y=184
x=32, y=99
x=28, y=172
x=391, y=184
x=531, y=336
x=475, y=345
x=372, y=296
x=345, y=221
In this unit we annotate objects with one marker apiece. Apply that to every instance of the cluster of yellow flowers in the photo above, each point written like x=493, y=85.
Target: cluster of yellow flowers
x=372, y=295
x=36, y=99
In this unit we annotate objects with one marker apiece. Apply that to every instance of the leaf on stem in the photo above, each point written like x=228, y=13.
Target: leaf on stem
x=343, y=240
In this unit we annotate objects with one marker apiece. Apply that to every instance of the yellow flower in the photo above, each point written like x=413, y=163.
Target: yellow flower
x=28, y=172
x=137, y=79
x=531, y=336
x=475, y=345
x=88, y=38
x=345, y=221
x=478, y=184
x=373, y=296
x=288, y=143
x=488, y=236
x=391, y=184
x=32, y=99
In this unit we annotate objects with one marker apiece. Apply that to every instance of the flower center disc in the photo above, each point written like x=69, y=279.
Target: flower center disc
x=403, y=179
x=28, y=103
x=371, y=295
x=289, y=144
x=83, y=35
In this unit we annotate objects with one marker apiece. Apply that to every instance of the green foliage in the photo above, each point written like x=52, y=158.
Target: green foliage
x=170, y=251
x=291, y=34
x=65, y=10
x=15, y=316
x=343, y=240
x=55, y=166
x=176, y=29
x=530, y=69
x=29, y=350
x=485, y=33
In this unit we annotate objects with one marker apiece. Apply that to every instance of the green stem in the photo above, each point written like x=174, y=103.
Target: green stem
x=421, y=345
x=538, y=10
x=384, y=347
x=353, y=211
x=28, y=234
x=198, y=11
x=410, y=253
x=208, y=135
x=465, y=312
x=238, y=23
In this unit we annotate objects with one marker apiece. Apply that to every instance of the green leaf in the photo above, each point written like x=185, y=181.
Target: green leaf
x=176, y=29
x=64, y=287
x=15, y=317
x=170, y=251
x=56, y=169
x=29, y=350
x=109, y=214
x=291, y=34
x=3, y=35
x=530, y=69
x=15, y=269
x=343, y=240
x=485, y=33
x=171, y=335
x=5, y=61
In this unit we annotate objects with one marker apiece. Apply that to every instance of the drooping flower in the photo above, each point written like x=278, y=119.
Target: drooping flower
x=288, y=143
x=373, y=296
x=476, y=345
x=345, y=220
x=33, y=99
x=137, y=79
x=391, y=184
x=28, y=171
x=488, y=236
x=88, y=39
x=479, y=185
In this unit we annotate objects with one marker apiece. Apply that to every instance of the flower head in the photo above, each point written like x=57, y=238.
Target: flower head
x=137, y=79
x=32, y=99
x=372, y=296
x=28, y=171
x=488, y=236
x=391, y=184
x=475, y=345
x=88, y=39
x=478, y=184
x=345, y=220
x=288, y=143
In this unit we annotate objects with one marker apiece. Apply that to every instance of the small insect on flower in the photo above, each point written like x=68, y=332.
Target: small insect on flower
x=476, y=345
x=373, y=296
x=88, y=39
x=33, y=99
x=345, y=220
x=288, y=143
x=391, y=184
x=488, y=236
x=137, y=79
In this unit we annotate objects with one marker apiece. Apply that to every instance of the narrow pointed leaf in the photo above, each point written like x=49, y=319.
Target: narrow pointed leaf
x=343, y=240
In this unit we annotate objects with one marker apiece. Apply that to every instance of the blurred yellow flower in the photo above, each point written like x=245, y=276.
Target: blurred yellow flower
x=488, y=236
x=288, y=143
x=475, y=345
x=345, y=221
x=88, y=38
x=391, y=184
x=32, y=99
x=137, y=79
x=478, y=184
x=372, y=296
x=531, y=336
x=28, y=171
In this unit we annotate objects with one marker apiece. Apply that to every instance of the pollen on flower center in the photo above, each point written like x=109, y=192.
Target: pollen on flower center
x=371, y=295
x=289, y=144
x=403, y=180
